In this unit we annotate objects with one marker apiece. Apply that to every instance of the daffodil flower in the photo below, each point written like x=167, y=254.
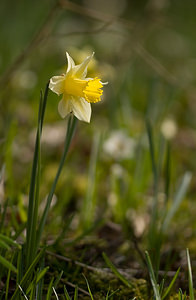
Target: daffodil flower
x=78, y=91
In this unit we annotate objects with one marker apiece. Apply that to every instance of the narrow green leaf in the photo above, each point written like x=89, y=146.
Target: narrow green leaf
x=7, y=282
x=167, y=172
x=161, y=151
x=31, y=204
x=89, y=290
x=177, y=200
x=34, y=245
x=107, y=296
x=4, y=213
x=185, y=298
x=64, y=229
x=40, y=285
x=115, y=271
x=58, y=279
x=31, y=245
x=191, y=290
x=180, y=295
x=43, y=107
x=152, y=151
x=38, y=277
x=4, y=245
x=9, y=241
x=49, y=293
x=76, y=293
x=66, y=294
x=171, y=285
x=112, y=294
x=20, y=267
x=89, y=204
x=161, y=287
x=33, y=292
x=28, y=272
x=7, y=264
x=152, y=277
x=41, y=274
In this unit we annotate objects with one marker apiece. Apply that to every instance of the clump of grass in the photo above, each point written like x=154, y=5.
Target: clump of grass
x=161, y=293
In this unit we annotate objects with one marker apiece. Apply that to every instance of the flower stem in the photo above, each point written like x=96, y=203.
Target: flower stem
x=69, y=135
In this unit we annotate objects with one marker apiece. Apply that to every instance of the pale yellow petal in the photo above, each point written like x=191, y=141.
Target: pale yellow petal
x=70, y=62
x=57, y=84
x=81, y=109
x=64, y=107
x=80, y=71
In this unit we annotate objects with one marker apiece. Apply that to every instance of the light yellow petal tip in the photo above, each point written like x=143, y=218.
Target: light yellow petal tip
x=70, y=62
x=90, y=57
x=67, y=55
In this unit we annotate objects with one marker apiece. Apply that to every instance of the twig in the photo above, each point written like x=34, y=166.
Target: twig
x=93, y=31
x=79, y=289
x=125, y=272
x=155, y=64
x=94, y=14
x=82, y=265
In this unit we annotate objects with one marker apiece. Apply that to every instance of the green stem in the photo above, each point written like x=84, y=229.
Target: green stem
x=33, y=195
x=69, y=135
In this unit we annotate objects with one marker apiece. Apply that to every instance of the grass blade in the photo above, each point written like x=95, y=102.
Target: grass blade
x=152, y=151
x=66, y=294
x=7, y=264
x=89, y=290
x=9, y=241
x=76, y=293
x=167, y=172
x=49, y=293
x=34, y=186
x=37, y=277
x=171, y=285
x=28, y=273
x=115, y=271
x=89, y=202
x=177, y=200
x=7, y=282
x=4, y=213
x=191, y=290
x=152, y=277
x=65, y=228
x=4, y=245
x=58, y=279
